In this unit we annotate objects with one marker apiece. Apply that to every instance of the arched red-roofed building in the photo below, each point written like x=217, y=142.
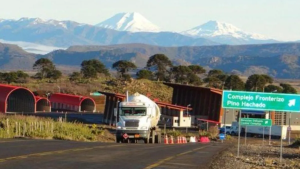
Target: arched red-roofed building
x=75, y=103
x=42, y=104
x=16, y=99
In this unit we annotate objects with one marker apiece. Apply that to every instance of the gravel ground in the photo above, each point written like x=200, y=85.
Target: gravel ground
x=254, y=155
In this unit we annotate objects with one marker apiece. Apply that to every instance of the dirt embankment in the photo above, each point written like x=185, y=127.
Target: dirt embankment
x=255, y=155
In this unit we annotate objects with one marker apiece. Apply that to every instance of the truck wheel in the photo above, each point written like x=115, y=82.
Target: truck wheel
x=118, y=140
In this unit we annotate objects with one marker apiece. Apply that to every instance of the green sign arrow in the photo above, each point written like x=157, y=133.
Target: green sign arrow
x=256, y=122
x=261, y=101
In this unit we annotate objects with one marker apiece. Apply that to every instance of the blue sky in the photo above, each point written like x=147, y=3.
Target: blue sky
x=279, y=19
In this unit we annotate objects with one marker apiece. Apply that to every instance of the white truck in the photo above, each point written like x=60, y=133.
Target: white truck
x=258, y=130
x=137, y=119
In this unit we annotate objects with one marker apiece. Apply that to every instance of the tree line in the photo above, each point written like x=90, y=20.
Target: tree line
x=158, y=68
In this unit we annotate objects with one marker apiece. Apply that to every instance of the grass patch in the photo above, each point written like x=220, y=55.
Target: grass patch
x=46, y=128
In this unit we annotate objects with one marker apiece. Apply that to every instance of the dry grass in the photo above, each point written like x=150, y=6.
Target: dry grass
x=46, y=128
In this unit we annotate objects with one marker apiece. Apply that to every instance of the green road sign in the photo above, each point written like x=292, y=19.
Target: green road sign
x=261, y=101
x=95, y=94
x=256, y=122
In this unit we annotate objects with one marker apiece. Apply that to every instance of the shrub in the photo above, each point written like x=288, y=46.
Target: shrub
x=213, y=132
x=203, y=133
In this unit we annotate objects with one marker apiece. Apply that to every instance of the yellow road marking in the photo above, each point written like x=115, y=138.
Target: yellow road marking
x=190, y=165
x=56, y=152
x=169, y=158
x=5, y=141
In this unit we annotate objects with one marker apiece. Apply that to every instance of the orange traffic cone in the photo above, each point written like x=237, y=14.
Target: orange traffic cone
x=171, y=140
x=180, y=140
x=166, y=139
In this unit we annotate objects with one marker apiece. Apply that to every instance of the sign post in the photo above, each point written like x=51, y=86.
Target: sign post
x=240, y=116
x=263, y=135
x=281, y=137
x=246, y=135
x=289, y=129
x=270, y=130
x=260, y=101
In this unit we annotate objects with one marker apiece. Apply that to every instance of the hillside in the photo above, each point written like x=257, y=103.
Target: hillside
x=13, y=57
x=278, y=60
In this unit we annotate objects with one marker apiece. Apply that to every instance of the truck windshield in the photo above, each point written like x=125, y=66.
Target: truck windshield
x=133, y=111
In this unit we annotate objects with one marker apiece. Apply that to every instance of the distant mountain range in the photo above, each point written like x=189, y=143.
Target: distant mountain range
x=68, y=33
x=122, y=28
x=278, y=60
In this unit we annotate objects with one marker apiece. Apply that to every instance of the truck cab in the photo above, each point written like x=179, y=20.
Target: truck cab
x=135, y=119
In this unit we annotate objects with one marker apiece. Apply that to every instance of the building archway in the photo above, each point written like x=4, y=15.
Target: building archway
x=87, y=105
x=42, y=104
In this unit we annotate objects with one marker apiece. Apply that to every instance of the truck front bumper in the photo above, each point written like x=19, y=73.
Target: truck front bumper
x=132, y=133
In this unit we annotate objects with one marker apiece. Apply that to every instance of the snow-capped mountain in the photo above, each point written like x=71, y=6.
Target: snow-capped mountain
x=132, y=22
x=226, y=33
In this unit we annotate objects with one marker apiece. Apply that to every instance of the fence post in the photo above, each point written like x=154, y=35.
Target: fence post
x=16, y=128
x=24, y=129
x=19, y=129
x=52, y=127
x=7, y=126
x=66, y=116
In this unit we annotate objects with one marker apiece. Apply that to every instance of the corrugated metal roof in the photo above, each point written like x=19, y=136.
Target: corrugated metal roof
x=5, y=91
x=69, y=99
x=38, y=98
x=214, y=90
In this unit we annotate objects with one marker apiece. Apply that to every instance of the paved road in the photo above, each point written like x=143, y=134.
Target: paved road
x=68, y=154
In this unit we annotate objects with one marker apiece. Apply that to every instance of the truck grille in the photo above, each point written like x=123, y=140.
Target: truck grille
x=131, y=123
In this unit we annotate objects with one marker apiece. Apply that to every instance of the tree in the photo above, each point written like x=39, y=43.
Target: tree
x=257, y=82
x=123, y=66
x=54, y=74
x=14, y=77
x=287, y=88
x=43, y=67
x=144, y=74
x=268, y=78
x=196, y=69
x=91, y=68
x=75, y=77
x=22, y=77
x=234, y=82
x=194, y=79
x=273, y=88
x=89, y=72
x=216, y=78
x=161, y=62
x=215, y=73
x=9, y=77
x=181, y=73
